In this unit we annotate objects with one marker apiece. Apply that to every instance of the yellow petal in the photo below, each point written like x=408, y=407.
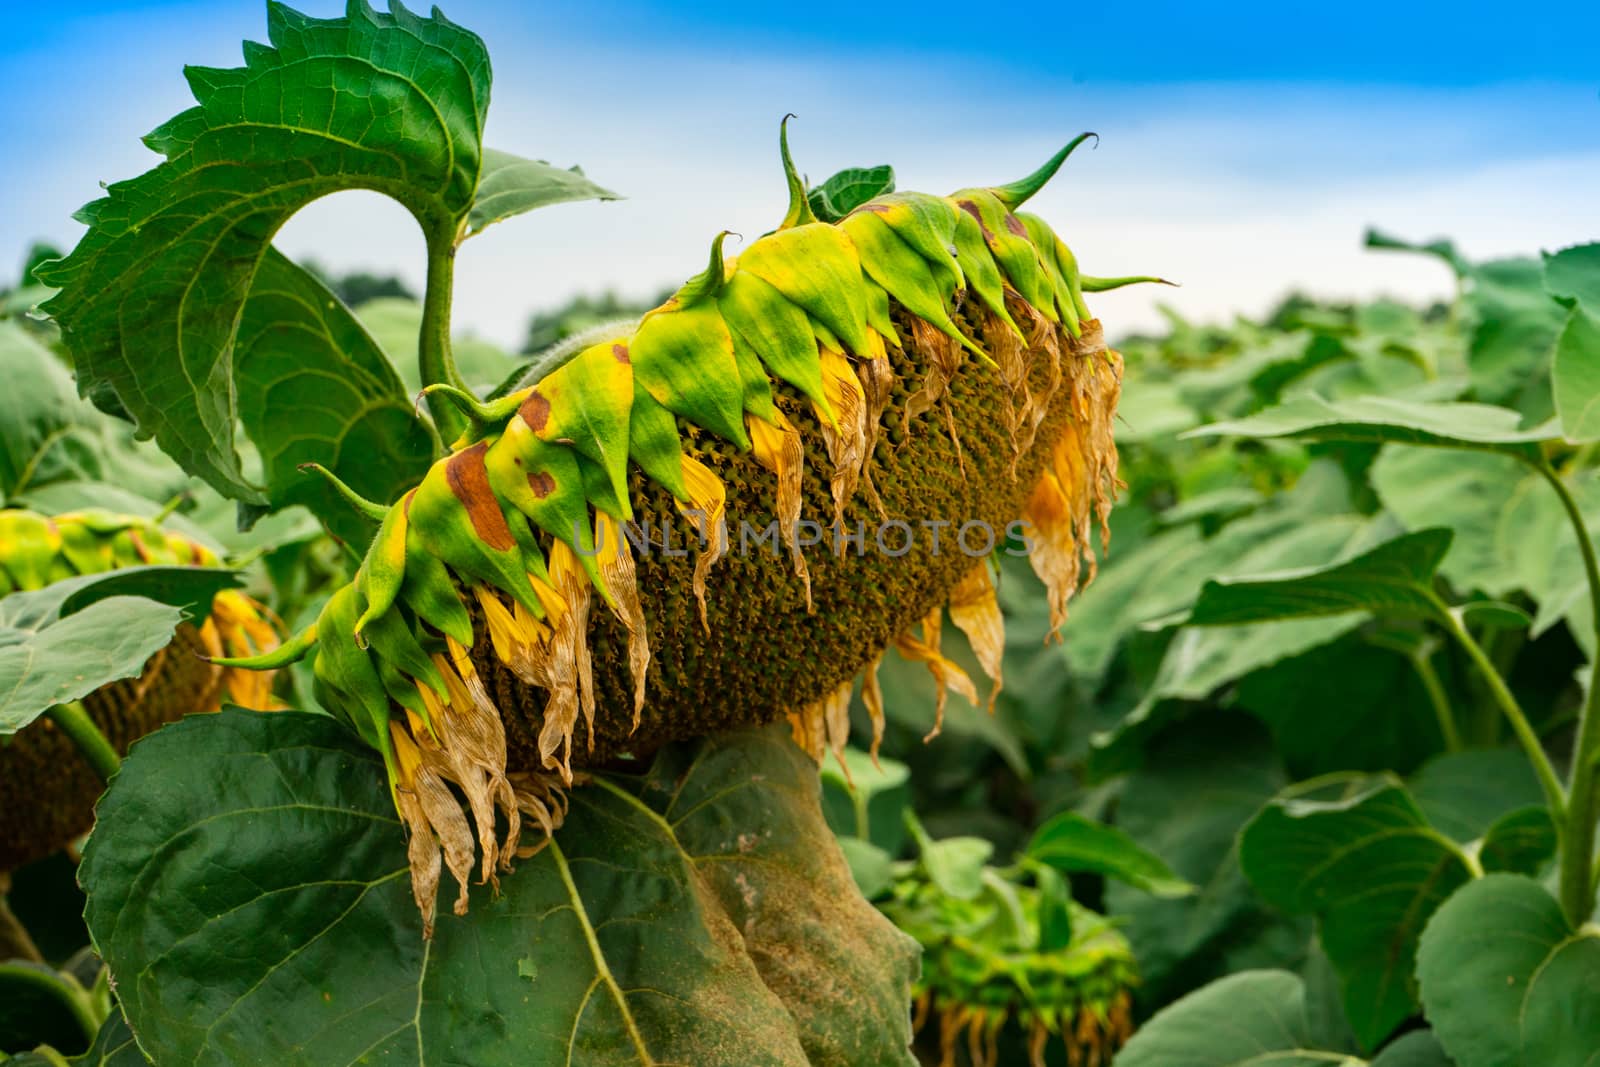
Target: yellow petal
x=779, y=449
x=1052, y=544
x=846, y=444
x=707, y=510
x=872, y=697
x=976, y=612
x=947, y=675
x=617, y=570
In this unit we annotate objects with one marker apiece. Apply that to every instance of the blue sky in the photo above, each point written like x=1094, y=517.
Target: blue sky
x=1243, y=149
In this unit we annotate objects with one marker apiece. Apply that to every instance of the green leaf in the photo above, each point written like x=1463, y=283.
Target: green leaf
x=1368, y=712
x=1380, y=419
x=1069, y=842
x=954, y=864
x=1463, y=794
x=1572, y=276
x=1576, y=375
x=1506, y=982
x=48, y=435
x=1356, y=852
x=1519, y=842
x=151, y=297
x=1419, y=1048
x=315, y=388
x=865, y=800
x=848, y=190
x=61, y=643
x=870, y=866
x=1500, y=510
x=510, y=185
x=1393, y=579
x=1200, y=783
x=261, y=913
x=1252, y=1019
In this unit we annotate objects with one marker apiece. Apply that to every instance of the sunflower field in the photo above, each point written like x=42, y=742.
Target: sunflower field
x=861, y=654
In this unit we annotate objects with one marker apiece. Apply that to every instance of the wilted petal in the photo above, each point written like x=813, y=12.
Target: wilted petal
x=947, y=675
x=779, y=449
x=976, y=611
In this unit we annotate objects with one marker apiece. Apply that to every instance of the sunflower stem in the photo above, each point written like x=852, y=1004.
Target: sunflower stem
x=1555, y=796
x=1578, y=872
x=73, y=721
x=436, y=362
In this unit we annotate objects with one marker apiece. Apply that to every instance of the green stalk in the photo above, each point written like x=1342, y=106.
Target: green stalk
x=1441, y=703
x=76, y=1004
x=15, y=941
x=1577, y=835
x=435, y=360
x=1554, y=795
x=73, y=721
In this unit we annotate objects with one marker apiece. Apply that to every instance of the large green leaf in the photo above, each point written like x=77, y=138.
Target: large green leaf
x=1251, y=1019
x=1200, y=783
x=315, y=388
x=151, y=297
x=1576, y=377
x=261, y=912
x=1463, y=794
x=48, y=435
x=1379, y=419
x=1506, y=982
x=62, y=642
x=1371, y=714
x=1393, y=579
x=1356, y=852
x=510, y=185
x=1509, y=320
x=1498, y=508
x=1069, y=842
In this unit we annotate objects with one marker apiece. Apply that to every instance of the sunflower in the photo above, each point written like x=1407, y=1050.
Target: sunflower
x=808, y=455
x=47, y=788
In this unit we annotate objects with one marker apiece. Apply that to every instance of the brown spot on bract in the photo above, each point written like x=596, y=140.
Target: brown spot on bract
x=542, y=484
x=620, y=353
x=469, y=481
x=971, y=209
x=1015, y=225
x=535, y=411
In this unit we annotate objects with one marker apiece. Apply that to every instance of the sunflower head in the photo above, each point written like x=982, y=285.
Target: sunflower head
x=803, y=458
x=47, y=790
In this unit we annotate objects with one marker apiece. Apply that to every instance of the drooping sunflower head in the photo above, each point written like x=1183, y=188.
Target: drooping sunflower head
x=719, y=517
x=47, y=790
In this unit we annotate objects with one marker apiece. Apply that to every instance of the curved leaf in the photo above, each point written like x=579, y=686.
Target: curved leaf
x=511, y=185
x=48, y=435
x=62, y=642
x=1251, y=1019
x=1069, y=842
x=1506, y=982
x=1393, y=579
x=848, y=190
x=1357, y=852
x=151, y=296
x=1381, y=418
x=314, y=387
x=698, y=915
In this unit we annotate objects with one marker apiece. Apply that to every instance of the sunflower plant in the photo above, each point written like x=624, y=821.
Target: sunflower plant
x=595, y=626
